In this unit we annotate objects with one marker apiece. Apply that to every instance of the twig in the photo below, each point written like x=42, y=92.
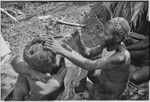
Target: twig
x=98, y=21
x=62, y=22
x=70, y=24
x=28, y=17
x=9, y=14
x=108, y=9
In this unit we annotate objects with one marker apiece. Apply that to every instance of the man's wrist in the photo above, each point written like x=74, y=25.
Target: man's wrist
x=61, y=50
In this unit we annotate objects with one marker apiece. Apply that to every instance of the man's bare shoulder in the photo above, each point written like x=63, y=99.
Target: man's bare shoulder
x=122, y=57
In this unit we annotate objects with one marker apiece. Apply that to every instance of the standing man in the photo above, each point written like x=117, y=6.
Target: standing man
x=113, y=79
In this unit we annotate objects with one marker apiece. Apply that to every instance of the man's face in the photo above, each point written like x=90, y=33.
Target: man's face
x=110, y=42
x=49, y=64
x=54, y=69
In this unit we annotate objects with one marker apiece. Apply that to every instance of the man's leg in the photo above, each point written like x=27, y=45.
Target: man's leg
x=22, y=88
x=141, y=75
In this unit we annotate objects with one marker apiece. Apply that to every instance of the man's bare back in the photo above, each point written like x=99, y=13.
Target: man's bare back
x=33, y=79
x=36, y=89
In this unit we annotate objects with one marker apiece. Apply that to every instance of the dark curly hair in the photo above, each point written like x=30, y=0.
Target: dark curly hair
x=38, y=58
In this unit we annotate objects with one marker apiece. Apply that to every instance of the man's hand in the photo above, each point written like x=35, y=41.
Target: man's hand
x=52, y=45
x=36, y=75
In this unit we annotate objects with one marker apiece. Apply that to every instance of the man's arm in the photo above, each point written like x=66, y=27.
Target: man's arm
x=82, y=62
x=84, y=51
x=21, y=89
x=55, y=81
x=87, y=64
x=22, y=68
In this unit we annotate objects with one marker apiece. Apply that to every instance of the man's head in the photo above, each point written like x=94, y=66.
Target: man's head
x=38, y=58
x=115, y=31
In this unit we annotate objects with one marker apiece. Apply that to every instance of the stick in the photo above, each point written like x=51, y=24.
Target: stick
x=98, y=21
x=70, y=24
x=61, y=22
x=9, y=14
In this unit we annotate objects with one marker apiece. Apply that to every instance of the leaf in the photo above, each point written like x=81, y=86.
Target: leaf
x=118, y=9
x=137, y=8
x=73, y=76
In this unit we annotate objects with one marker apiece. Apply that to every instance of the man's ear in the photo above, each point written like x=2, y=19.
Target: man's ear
x=57, y=58
x=62, y=62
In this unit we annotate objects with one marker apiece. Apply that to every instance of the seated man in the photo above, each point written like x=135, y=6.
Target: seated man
x=113, y=79
x=140, y=61
x=38, y=63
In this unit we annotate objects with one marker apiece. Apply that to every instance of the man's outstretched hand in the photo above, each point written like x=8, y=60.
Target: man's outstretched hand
x=36, y=75
x=52, y=45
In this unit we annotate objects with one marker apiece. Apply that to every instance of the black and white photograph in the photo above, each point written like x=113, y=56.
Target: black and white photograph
x=74, y=50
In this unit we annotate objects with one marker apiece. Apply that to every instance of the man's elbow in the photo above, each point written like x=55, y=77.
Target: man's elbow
x=46, y=91
x=54, y=85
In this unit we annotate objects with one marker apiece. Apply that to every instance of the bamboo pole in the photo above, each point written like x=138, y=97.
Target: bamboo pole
x=70, y=24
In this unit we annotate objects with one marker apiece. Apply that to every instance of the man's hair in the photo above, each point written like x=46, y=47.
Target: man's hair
x=36, y=57
x=121, y=27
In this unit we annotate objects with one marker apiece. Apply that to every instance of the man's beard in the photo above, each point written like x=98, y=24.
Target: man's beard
x=54, y=69
x=110, y=44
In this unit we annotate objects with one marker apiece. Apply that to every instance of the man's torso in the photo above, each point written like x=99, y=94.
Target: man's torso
x=113, y=80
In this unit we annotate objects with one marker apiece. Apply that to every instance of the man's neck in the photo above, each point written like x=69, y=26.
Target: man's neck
x=120, y=47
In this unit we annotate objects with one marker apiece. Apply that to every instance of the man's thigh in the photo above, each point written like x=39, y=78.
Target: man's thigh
x=21, y=89
x=141, y=75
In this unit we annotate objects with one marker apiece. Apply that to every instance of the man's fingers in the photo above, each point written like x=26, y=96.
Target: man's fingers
x=48, y=44
x=47, y=48
x=49, y=41
x=51, y=38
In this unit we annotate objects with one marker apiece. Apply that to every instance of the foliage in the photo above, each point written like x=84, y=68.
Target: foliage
x=135, y=13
